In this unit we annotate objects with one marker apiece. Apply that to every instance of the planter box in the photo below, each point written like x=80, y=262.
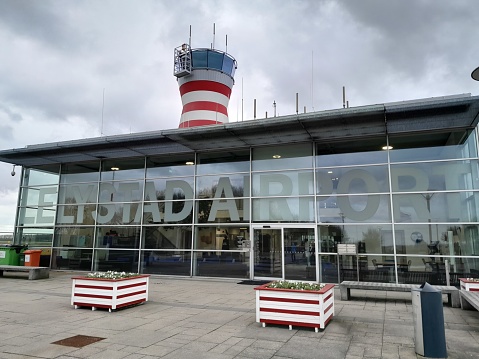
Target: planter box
x=109, y=293
x=290, y=307
x=469, y=285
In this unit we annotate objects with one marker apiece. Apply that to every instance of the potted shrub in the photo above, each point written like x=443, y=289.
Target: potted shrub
x=295, y=303
x=109, y=290
x=470, y=284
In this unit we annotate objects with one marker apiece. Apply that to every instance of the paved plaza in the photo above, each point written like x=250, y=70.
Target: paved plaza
x=211, y=319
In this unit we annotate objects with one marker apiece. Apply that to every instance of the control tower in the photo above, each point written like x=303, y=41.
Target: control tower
x=205, y=78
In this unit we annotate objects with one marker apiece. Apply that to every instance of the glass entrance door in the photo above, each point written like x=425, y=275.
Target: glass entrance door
x=285, y=253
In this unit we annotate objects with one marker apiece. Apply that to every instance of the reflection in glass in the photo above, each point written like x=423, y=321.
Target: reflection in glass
x=436, y=176
x=222, y=210
x=76, y=214
x=121, y=191
x=180, y=212
x=371, y=179
x=290, y=183
x=73, y=237
x=223, y=162
x=268, y=254
x=28, y=216
x=436, y=207
x=282, y=157
x=78, y=193
x=169, y=189
x=34, y=237
x=166, y=262
x=80, y=172
x=221, y=238
x=226, y=265
x=118, y=237
x=38, y=196
x=354, y=208
x=288, y=209
x=299, y=254
x=72, y=259
x=116, y=260
x=35, y=177
x=222, y=186
x=166, y=166
x=433, y=146
x=119, y=213
x=167, y=237
x=123, y=169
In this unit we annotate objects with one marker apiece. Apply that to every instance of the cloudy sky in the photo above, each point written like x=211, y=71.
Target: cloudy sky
x=79, y=69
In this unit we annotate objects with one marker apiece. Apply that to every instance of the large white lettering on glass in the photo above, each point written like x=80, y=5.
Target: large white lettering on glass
x=281, y=197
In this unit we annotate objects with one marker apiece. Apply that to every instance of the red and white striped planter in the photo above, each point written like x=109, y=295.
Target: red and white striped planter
x=302, y=308
x=109, y=293
x=469, y=285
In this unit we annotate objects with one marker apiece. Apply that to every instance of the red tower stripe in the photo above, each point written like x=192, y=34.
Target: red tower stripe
x=194, y=123
x=204, y=85
x=205, y=105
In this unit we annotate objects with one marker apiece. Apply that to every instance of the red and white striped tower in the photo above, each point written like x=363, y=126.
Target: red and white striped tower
x=205, y=78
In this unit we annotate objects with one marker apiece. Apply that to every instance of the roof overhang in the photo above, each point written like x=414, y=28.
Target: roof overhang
x=356, y=123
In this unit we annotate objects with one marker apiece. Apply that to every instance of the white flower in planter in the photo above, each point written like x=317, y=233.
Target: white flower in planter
x=111, y=275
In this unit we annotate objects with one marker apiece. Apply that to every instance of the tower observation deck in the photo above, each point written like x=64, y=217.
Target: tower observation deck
x=205, y=79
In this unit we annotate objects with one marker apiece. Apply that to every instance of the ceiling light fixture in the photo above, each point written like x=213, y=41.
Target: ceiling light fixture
x=115, y=168
x=387, y=147
x=189, y=163
x=276, y=156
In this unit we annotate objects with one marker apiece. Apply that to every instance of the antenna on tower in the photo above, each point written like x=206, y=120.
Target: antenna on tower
x=189, y=41
x=226, y=43
x=214, y=33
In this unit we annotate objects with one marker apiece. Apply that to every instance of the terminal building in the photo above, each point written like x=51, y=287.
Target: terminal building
x=387, y=192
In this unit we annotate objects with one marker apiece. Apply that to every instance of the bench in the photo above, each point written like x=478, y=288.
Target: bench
x=469, y=300
x=33, y=272
x=346, y=286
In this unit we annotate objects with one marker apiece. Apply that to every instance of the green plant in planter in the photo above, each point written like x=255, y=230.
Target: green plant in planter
x=111, y=275
x=283, y=284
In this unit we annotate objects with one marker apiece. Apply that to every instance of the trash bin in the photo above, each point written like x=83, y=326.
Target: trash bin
x=10, y=254
x=428, y=315
x=32, y=257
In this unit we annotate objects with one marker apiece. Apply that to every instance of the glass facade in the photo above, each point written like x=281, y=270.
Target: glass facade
x=411, y=210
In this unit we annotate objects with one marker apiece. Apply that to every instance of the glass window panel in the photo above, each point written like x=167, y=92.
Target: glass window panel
x=221, y=238
x=228, y=65
x=35, y=177
x=223, y=210
x=121, y=191
x=223, y=162
x=180, y=212
x=367, y=237
x=80, y=172
x=436, y=207
x=373, y=179
x=166, y=166
x=38, y=216
x=293, y=209
x=78, y=193
x=291, y=183
x=166, y=262
x=199, y=58
x=34, y=237
x=357, y=208
x=169, y=189
x=225, y=265
x=118, y=237
x=73, y=237
x=122, y=169
x=38, y=196
x=121, y=213
x=282, y=157
x=328, y=269
x=116, y=260
x=438, y=176
x=215, y=60
x=167, y=237
x=72, y=259
x=76, y=214
x=222, y=186
x=433, y=146
x=350, y=153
